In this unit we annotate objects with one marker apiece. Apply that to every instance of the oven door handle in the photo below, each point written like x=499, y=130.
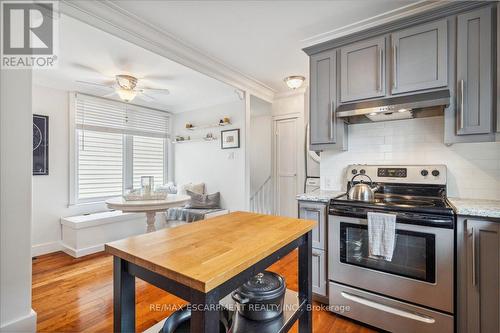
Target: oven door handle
x=389, y=309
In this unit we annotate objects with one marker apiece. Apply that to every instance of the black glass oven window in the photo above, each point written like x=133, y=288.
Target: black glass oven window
x=414, y=253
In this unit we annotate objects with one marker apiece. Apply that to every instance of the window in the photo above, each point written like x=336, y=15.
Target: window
x=115, y=144
x=100, y=164
x=148, y=159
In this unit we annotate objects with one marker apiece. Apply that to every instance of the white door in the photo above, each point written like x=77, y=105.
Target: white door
x=286, y=167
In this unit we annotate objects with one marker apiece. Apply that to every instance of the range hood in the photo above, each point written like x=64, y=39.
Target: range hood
x=394, y=108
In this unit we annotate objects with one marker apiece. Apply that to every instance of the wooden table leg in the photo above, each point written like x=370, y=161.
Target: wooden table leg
x=123, y=297
x=150, y=220
x=205, y=313
x=305, y=282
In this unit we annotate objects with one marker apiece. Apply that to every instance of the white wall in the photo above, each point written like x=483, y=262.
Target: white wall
x=50, y=193
x=222, y=170
x=473, y=168
x=260, y=143
x=15, y=201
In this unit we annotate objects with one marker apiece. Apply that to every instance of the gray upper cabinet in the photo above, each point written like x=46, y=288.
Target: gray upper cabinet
x=419, y=58
x=326, y=131
x=474, y=95
x=362, y=70
x=478, y=275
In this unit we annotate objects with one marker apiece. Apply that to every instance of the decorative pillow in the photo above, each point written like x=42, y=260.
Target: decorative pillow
x=203, y=200
x=196, y=188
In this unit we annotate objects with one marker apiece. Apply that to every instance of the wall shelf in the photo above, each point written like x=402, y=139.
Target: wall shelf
x=203, y=139
x=207, y=126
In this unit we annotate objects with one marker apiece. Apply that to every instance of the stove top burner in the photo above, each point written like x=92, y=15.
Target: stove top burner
x=397, y=201
x=405, y=202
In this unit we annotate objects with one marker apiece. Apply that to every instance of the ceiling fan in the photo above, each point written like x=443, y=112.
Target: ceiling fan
x=125, y=86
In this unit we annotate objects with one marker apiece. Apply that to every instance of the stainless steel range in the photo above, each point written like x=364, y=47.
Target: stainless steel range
x=414, y=291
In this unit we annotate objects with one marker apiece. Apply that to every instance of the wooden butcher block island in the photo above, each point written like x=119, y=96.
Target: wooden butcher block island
x=203, y=262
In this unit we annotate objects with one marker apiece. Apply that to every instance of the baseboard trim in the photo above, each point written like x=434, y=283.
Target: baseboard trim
x=24, y=324
x=82, y=252
x=40, y=249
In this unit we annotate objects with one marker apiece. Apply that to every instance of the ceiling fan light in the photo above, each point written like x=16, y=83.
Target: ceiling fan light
x=294, y=81
x=126, y=94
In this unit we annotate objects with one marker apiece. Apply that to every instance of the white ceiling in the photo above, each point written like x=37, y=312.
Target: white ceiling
x=89, y=54
x=261, y=39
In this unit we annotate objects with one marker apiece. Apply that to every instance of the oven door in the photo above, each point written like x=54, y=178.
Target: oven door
x=421, y=270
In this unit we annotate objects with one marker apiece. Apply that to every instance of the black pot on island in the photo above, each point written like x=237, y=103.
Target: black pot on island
x=261, y=297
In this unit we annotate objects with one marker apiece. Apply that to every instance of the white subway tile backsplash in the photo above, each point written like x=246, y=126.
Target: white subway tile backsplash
x=473, y=168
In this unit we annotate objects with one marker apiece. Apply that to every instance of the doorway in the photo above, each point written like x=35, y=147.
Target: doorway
x=286, y=166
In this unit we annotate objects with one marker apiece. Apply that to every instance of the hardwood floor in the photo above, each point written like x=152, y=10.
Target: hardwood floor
x=75, y=295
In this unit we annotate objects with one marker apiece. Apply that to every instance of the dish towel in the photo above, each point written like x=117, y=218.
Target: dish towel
x=381, y=235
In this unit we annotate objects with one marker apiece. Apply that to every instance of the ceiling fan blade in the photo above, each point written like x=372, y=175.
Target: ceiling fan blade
x=109, y=85
x=146, y=97
x=155, y=90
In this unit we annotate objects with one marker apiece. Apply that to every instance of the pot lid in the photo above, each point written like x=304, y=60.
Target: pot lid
x=263, y=286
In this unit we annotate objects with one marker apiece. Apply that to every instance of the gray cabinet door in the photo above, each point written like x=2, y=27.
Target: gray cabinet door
x=319, y=272
x=474, y=73
x=478, y=275
x=316, y=212
x=362, y=70
x=322, y=98
x=326, y=131
x=420, y=58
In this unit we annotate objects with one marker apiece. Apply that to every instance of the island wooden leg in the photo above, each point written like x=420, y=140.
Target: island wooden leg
x=150, y=220
x=305, y=282
x=205, y=313
x=123, y=297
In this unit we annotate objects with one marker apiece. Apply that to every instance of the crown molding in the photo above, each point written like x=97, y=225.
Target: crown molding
x=395, y=14
x=109, y=17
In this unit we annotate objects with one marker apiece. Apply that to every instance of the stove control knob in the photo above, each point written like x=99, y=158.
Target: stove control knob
x=435, y=173
x=362, y=171
x=424, y=172
x=354, y=171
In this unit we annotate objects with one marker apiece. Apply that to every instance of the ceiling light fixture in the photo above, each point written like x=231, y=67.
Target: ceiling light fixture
x=294, y=81
x=126, y=94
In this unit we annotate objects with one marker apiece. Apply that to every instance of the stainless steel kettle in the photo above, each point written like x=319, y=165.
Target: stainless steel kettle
x=362, y=191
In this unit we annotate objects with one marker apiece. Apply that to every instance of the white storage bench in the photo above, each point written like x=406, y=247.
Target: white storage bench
x=86, y=234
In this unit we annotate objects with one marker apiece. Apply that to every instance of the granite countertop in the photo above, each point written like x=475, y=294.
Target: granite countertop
x=476, y=207
x=319, y=195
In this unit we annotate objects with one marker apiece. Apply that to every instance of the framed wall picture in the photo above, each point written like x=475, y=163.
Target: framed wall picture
x=40, y=145
x=230, y=139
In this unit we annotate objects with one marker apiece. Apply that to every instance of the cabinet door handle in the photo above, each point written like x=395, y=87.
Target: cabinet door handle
x=394, y=66
x=314, y=254
x=380, y=68
x=332, y=120
x=389, y=309
x=474, y=258
x=461, y=104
